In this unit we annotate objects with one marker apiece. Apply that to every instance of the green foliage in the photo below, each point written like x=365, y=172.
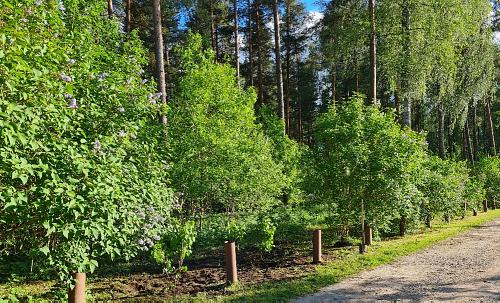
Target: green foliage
x=79, y=151
x=222, y=160
x=487, y=171
x=175, y=245
x=363, y=157
x=445, y=186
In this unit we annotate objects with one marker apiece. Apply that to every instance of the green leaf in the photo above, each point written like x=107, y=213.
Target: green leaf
x=45, y=250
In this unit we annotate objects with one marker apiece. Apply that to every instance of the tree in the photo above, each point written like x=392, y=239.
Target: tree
x=160, y=63
x=277, y=54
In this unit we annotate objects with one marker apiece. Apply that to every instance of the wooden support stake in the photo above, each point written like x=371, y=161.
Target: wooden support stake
x=231, y=268
x=77, y=294
x=317, y=246
x=368, y=234
x=485, y=206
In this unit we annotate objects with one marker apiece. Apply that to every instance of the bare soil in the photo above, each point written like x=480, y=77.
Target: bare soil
x=207, y=275
x=465, y=268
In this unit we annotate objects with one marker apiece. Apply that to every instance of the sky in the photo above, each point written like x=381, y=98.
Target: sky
x=310, y=5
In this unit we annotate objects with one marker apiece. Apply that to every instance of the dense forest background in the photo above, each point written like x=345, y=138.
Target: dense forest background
x=163, y=128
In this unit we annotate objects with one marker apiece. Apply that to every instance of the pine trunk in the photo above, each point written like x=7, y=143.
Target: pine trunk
x=110, y=8
x=475, y=140
x=236, y=41
x=250, y=42
x=288, y=65
x=259, y=55
x=128, y=17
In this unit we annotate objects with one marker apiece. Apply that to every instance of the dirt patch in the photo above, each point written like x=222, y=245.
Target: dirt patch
x=207, y=275
x=465, y=268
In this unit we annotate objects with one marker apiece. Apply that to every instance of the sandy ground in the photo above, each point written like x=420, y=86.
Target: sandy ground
x=461, y=269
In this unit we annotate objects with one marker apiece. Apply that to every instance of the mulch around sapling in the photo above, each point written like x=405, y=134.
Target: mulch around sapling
x=207, y=275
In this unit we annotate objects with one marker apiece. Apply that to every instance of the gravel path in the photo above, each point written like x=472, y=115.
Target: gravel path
x=464, y=268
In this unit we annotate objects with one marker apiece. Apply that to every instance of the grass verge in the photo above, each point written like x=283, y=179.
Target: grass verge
x=378, y=254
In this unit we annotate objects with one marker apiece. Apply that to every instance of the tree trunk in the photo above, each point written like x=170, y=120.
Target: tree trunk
x=466, y=143
x=259, y=55
x=212, y=32
x=277, y=52
x=475, y=140
x=441, y=148
x=449, y=130
x=288, y=66
x=373, y=55
x=128, y=18
x=110, y=8
x=491, y=129
x=250, y=41
x=406, y=115
x=334, y=84
x=236, y=41
x=160, y=67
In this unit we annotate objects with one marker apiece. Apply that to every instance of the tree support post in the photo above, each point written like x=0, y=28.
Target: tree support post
x=368, y=231
x=77, y=293
x=231, y=268
x=485, y=206
x=317, y=246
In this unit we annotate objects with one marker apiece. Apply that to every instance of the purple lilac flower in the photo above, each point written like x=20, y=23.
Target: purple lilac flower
x=144, y=81
x=38, y=2
x=148, y=226
x=156, y=238
x=67, y=96
x=73, y=104
x=62, y=8
x=141, y=214
x=150, y=208
x=71, y=61
x=129, y=81
x=65, y=78
x=120, y=109
x=141, y=242
x=97, y=146
x=102, y=76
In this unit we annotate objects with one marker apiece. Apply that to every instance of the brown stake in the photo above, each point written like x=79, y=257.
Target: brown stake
x=317, y=246
x=77, y=294
x=368, y=235
x=485, y=206
x=231, y=269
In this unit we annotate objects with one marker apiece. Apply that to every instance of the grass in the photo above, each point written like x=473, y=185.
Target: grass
x=348, y=263
x=378, y=254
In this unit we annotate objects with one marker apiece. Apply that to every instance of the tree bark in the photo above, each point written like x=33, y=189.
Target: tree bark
x=110, y=8
x=491, y=128
x=259, y=55
x=236, y=41
x=250, y=41
x=467, y=146
x=440, y=117
x=475, y=140
x=288, y=66
x=160, y=66
x=373, y=55
x=128, y=18
x=277, y=52
x=212, y=32
x=406, y=115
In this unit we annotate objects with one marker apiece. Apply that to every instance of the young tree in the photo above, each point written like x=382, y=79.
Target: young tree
x=277, y=54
